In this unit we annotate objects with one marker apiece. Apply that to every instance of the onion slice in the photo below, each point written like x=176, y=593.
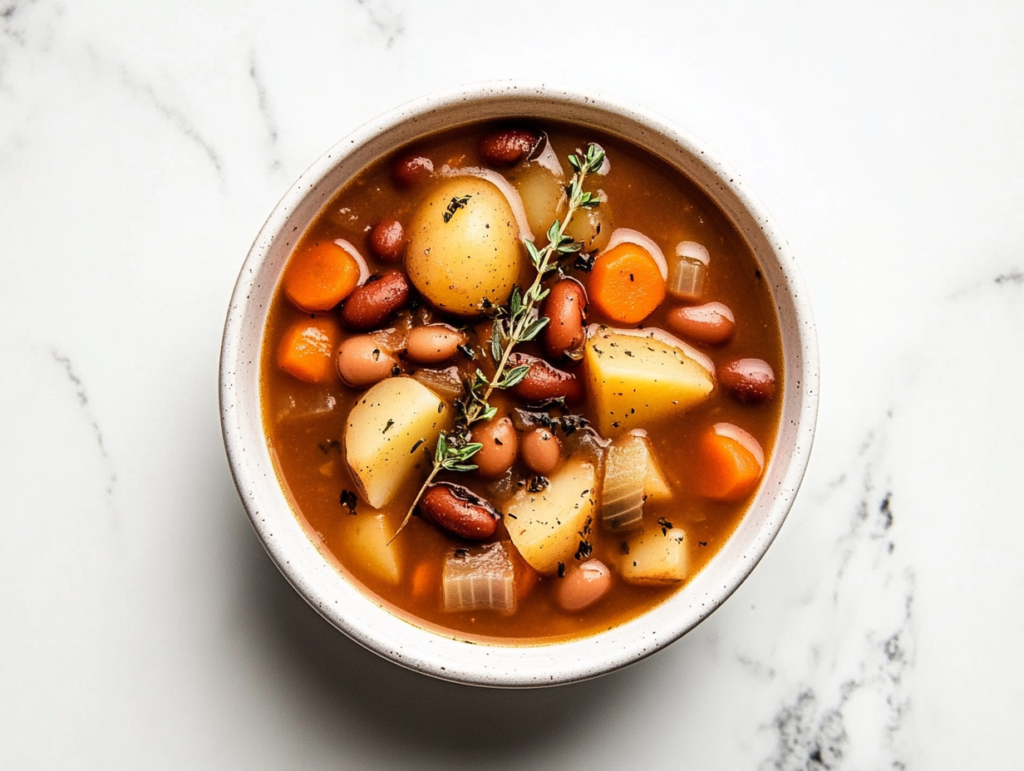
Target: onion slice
x=689, y=271
x=479, y=578
x=364, y=269
x=443, y=382
x=622, y=494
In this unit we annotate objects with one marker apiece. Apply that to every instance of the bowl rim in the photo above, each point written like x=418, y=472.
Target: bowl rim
x=367, y=620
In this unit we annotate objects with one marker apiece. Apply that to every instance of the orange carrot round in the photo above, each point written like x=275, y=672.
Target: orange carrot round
x=730, y=463
x=320, y=276
x=626, y=284
x=307, y=349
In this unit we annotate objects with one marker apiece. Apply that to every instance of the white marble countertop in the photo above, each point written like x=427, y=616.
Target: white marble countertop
x=141, y=147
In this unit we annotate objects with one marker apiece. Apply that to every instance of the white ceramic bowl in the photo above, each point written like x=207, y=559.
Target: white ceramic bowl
x=360, y=616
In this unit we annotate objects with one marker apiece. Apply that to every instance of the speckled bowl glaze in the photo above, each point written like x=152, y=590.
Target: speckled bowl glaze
x=344, y=604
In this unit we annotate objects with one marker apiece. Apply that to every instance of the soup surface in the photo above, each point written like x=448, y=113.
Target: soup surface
x=645, y=409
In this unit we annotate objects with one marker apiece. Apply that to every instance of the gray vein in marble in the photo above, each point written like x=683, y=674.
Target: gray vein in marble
x=387, y=21
x=268, y=121
x=1015, y=276
x=83, y=401
x=173, y=115
x=813, y=729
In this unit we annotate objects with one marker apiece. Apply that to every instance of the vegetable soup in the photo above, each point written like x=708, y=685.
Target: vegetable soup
x=521, y=382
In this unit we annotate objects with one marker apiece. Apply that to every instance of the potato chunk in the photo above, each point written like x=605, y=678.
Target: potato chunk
x=656, y=556
x=464, y=246
x=637, y=377
x=547, y=527
x=389, y=435
x=366, y=537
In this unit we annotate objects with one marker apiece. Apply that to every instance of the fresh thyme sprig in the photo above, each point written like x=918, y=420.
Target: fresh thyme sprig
x=518, y=322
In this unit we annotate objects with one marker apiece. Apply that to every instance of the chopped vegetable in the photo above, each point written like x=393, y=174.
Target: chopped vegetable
x=479, y=578
x=656, y=556
x=443, y=382
x=730, y=462
x=689, y=271
x=636, y=377
x=626, y=283
x=459, y=255
x=547, y=526
x=631, y=477
x=307, y=349
x=622, y=495
x=423, y=579
x=390, y=434
x=322, y=275
x=542, y=191
x=366, y=537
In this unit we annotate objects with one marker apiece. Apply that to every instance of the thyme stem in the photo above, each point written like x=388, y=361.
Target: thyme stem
x=522, y=326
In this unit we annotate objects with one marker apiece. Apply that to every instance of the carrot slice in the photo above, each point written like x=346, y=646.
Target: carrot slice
x=730, y=463
x=320, y=276
x=423, y=578
x=626, y=284
x=307, y=349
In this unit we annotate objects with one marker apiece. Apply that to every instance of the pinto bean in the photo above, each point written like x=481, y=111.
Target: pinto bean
x=387, y=240
x=566, y=306
x=371, y=304
x=749, y=380
x=500, y=447
x=362, y=361
x=584, y=585
x=710, y=324
x=433, y=343
x=544, y=381
x=459, y=510
x=410, y=170
x=542, y=451
x=508, y=146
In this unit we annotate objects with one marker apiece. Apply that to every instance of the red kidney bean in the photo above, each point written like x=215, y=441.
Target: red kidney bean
x=583, y=585
x=749, y=380
x=566, y=306
x=410, y=170
x=371, y=304
x=500, y=447
x=387, y=240
x=508, y=147
x=459, y=510
x=711, y=323
x=544, y=381
x=542, y=451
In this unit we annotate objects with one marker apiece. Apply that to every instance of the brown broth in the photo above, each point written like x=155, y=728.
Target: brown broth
x=646, y=195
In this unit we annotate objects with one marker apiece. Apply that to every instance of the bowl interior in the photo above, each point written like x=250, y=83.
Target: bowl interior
x=359, y=615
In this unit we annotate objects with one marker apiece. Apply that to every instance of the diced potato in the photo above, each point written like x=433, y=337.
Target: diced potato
x=655, y=485
x=389, y=436
x=543, y=194
x=637, y=377
x=464, y=246
x=658, y=555
x=547, y=527
x=366, y=536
